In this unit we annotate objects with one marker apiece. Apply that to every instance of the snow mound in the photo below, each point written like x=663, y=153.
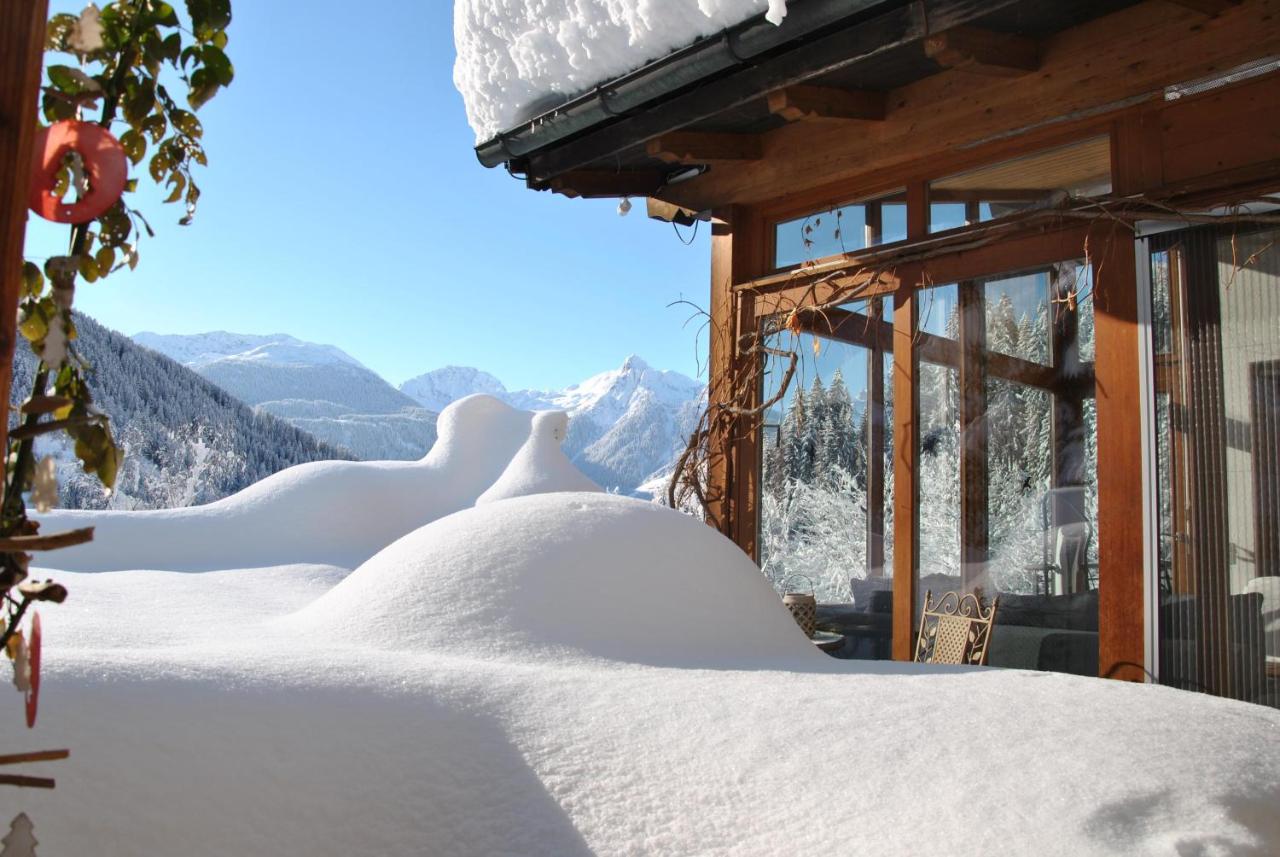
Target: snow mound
x=558, y=575
x=329, y=512
x=540, y=467
x=515, y=56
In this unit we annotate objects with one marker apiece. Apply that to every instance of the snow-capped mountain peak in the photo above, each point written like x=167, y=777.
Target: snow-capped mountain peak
x=197, y=350
x=436, y=389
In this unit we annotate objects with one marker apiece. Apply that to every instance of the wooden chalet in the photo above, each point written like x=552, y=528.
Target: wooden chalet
x=882, y=176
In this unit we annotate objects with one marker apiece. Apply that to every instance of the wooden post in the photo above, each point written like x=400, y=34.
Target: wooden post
x=1120, y=463
x=732, y=465
x=22, y=28
x=720, y=367
x=875, y=444
x=973, y=436
x=905, y=442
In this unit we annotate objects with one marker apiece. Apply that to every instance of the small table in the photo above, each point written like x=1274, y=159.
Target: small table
x=827, y=641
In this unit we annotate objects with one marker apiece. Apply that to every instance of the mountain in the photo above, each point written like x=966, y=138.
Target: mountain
x=438, y=388
x=318, y=388
x=185, y=440
x=627, y=425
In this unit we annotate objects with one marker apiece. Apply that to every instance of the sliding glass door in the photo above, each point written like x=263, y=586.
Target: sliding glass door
x=1216, y=338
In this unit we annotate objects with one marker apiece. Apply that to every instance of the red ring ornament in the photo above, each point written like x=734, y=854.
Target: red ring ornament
x=104, y=163
x=33, y=652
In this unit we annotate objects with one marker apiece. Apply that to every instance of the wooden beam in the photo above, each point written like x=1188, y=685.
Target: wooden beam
x=795, y=103
x=1089, y=74
x=1206, y=7
x=974, y=529
x=983, y=51
x=876, y=447
x=906, y=443
x=695, y=147
x=1121, y=640
x=594, y=184
x=22, y=29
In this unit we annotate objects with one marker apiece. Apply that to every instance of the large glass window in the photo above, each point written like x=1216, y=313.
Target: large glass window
x=827, y=486
x=1216, y=337
x=1007, y=461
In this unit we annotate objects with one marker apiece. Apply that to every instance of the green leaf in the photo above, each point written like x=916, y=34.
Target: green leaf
x=203, y=87
x=139, y=100
x=89, y=268
x=155, y=125
x=32, y=279
x=216, y=61
x=159, y=165
x=64, y=77
x=163, y=14
x=58, y=30
x=179, y=184
x=134, y=145
x=171, y=48
x=186, y=122
x=33, y=323
x=106, y=260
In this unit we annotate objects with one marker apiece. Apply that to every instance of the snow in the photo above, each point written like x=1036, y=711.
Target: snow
x=315, y=387
x=197, y=350
x=568, y=673
x=438, y=388
x=332, y=512
x=540, y=466
x=516, y=59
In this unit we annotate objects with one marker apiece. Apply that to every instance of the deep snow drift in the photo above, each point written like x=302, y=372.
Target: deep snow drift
x=516, y=59
x=578, y=673
x=332, y=512
x=552, y=576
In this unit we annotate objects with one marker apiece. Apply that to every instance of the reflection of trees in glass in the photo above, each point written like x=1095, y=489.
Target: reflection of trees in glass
x=814, y=498
x=813, y=508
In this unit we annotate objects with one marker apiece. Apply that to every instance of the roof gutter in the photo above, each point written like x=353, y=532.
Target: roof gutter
x=731, y=49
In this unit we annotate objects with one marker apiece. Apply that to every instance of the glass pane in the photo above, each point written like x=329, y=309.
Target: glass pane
x=1018, y=316
x=946, y=215
x=893, y=222
x=845, y=229
x=826, y=233
x=940, y=311
x=823, y=512
x=1030, y=181
x=1218, y=458
x=938, y=527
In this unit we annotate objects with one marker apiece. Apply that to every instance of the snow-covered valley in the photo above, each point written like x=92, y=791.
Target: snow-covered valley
x=513, y=665
x=627, y=425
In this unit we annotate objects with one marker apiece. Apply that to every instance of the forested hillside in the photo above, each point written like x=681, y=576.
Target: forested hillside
x=185, y=440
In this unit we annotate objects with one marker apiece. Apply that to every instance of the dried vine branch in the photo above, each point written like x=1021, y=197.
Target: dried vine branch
x=732, y=411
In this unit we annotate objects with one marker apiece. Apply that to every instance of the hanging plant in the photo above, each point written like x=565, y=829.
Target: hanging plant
x=112, y=110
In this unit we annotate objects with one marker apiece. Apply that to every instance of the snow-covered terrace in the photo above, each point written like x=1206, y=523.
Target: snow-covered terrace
x=439, y=657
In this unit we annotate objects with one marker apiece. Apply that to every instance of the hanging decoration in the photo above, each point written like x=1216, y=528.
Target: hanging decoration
x=33, y=684
x=96, y=166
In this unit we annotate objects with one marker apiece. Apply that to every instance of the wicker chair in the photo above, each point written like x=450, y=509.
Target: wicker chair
x=955, y=630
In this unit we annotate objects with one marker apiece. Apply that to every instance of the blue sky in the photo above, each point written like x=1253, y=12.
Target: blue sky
x=343, y=204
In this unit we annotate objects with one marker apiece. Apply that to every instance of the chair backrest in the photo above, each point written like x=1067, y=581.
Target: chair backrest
x=955, y=630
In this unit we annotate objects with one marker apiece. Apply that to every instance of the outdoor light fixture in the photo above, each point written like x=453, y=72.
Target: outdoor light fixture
x=624, y=207
x=683, y=175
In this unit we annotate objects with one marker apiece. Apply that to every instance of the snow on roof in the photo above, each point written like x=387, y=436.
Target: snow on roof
x=517, y=59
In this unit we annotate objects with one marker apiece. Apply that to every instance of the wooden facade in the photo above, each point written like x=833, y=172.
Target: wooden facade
x=948, y=102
